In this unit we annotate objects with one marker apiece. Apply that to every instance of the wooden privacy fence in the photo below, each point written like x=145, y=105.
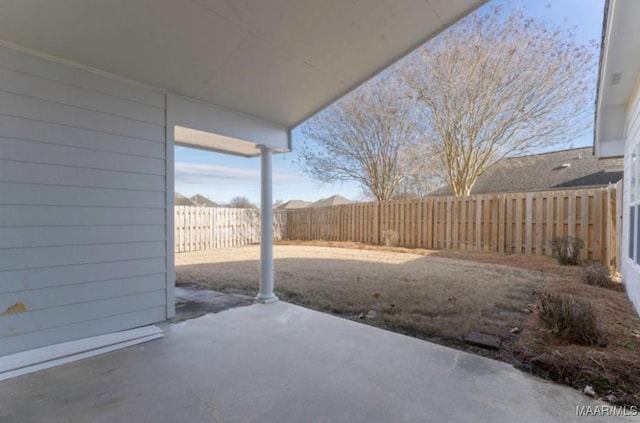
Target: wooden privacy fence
x=509, y=223
x=204, y=228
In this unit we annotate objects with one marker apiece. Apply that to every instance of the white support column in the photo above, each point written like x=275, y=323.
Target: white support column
x=266, y=294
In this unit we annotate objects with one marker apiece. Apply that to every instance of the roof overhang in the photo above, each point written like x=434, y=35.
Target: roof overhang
x=619, y=71
x=208, y=127
x=272, y=63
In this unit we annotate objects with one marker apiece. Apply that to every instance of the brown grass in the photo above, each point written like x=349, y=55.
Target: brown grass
x=536, y=263
x=440, y=295
x=422, y=295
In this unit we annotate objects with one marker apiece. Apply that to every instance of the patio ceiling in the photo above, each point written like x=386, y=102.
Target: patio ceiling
x=280, y=61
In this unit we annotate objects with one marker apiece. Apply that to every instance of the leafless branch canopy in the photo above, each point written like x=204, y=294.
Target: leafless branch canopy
x=370, y=137
x=499, y=84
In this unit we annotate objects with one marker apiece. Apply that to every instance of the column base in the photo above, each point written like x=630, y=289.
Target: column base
x=268, y=299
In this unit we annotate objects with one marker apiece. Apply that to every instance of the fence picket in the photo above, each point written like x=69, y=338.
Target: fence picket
x=202, y=228
x=514, y=222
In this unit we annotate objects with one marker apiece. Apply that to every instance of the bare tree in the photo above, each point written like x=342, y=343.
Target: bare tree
x=369, y=136
x=427, y=178
x=498, y=84
x=240, y=202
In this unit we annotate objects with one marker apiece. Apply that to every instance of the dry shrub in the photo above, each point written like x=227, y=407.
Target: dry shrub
x=611, y=368
x=567, y=249
x=569, y=318
x=390, y=238
x=597, y=274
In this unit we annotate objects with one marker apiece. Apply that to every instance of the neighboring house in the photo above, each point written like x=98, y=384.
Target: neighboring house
x=334, y=200
x=566, y=169
x=617, y=124
x=181, y=200
x=203, y=201
x=91, y=110
x=293, y=204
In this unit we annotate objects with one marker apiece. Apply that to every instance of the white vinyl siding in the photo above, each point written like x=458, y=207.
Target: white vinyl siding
x=83, y=200
x=631, y=238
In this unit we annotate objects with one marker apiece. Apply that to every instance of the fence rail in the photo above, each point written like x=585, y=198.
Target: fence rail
x=522, y=223
x=204, y=228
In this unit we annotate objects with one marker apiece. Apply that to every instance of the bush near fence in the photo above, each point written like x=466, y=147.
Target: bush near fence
x=520, y=223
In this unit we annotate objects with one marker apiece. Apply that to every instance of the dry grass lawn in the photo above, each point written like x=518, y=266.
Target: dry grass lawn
x=440, y=296
x=434, y=298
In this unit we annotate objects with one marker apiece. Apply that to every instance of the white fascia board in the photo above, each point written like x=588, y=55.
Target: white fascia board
x=231, y=131
x=610, y=131
x=600, y=86
x=609, y=149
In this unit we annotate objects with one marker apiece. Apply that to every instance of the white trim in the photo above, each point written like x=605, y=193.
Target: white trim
x=43, y=358
x=210, y=118
x=169, y=189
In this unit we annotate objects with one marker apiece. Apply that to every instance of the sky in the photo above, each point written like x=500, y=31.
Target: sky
x=221, y=177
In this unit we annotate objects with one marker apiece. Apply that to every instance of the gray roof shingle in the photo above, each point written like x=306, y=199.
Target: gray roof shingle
x=573, y=168
x=334, y=200
x=293, y=204
x=181, y=200
x=201, y=200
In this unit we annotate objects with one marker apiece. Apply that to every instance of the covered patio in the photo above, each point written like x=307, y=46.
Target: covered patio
x=283, y=363
x=94, y=95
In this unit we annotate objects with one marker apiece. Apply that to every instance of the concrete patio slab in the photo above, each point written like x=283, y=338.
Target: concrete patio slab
x=283, y=363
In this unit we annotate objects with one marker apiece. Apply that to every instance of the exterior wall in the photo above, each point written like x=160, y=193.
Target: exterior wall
x=83, y=204
x=631, y=216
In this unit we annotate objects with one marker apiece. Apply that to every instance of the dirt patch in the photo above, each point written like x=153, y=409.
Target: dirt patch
x=423, y=295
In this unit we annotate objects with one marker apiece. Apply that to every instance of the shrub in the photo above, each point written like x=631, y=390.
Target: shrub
x=390, y=238
x=569, y=318
x=567, y=249
x=597, y=274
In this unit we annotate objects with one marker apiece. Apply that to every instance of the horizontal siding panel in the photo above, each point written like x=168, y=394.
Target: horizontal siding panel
x=100, y=326
x=41, y=299
x=45, y=89
x=45, y=174
x=51, y=195
x=64, y=256
x=51, y=133
x=82, y=203
x=25, y=237
x=45, y=111
x=36, y=152
x=20, y=280
x=31, y=321
x=38, y=216
x=19, y=61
